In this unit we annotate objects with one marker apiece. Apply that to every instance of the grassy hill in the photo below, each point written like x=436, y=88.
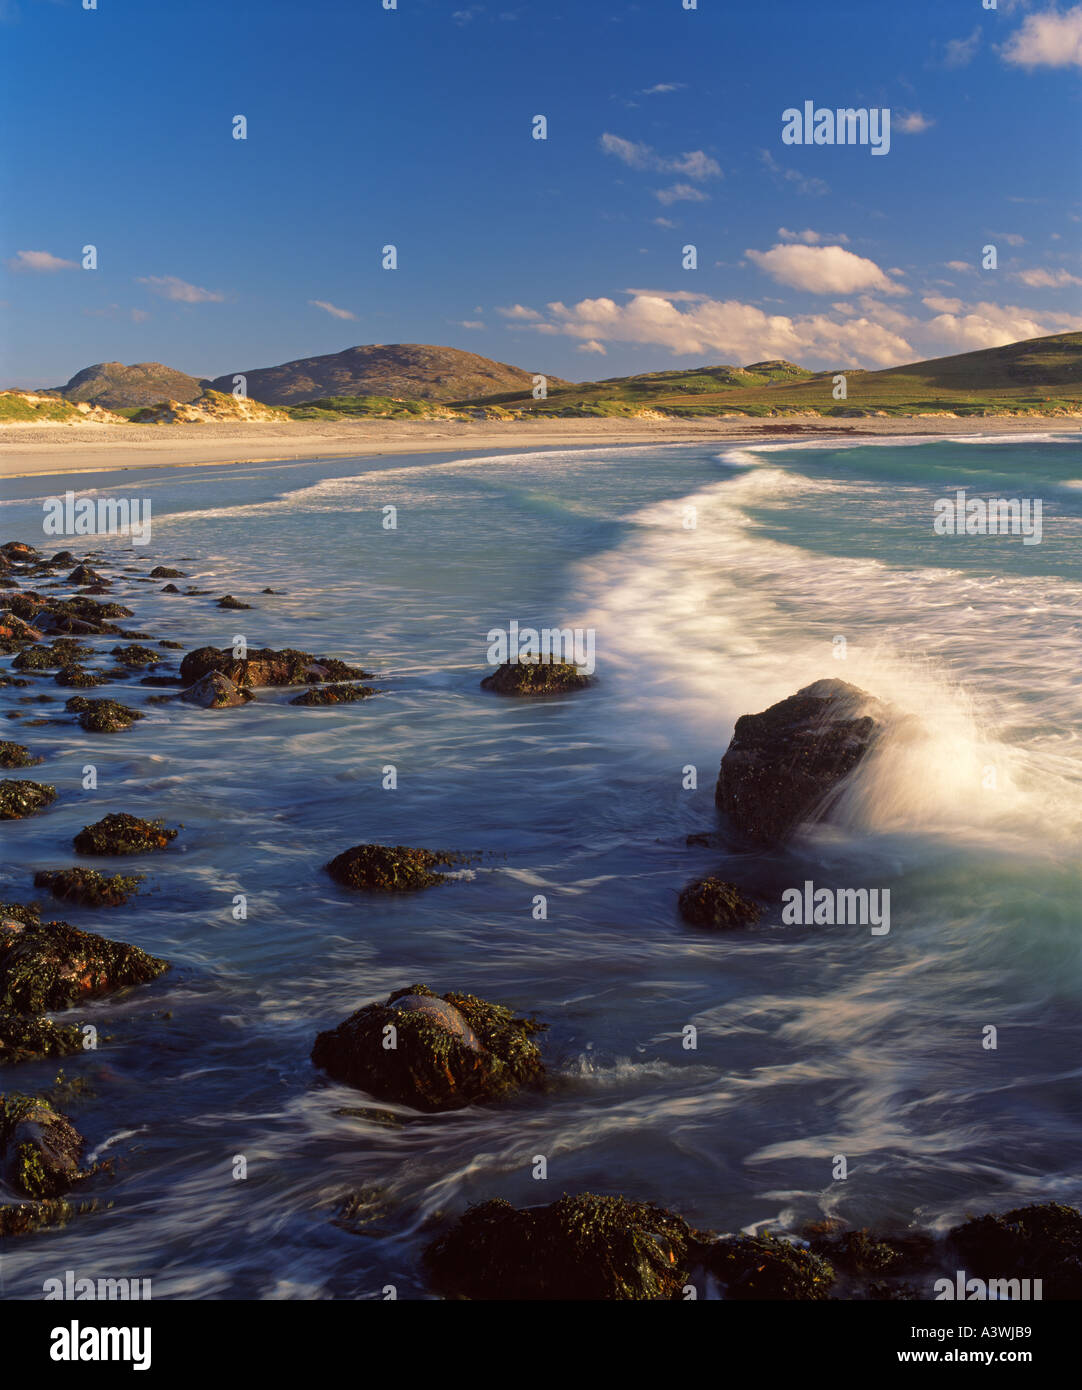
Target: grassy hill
x=34, y=408
x=1038, y=376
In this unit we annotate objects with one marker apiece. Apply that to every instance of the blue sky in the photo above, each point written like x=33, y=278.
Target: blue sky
x=414, y=127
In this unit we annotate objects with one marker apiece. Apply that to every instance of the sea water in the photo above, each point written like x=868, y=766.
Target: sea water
x=717, y=580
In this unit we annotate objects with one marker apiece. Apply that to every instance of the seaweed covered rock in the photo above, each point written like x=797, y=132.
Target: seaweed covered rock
x=121, y=833
x=228, y=601
x=1042, y=1241
x=78, y=677
x=583, y=1248
x=15, y=755
x=764, y=1267
x=333, y=695
x=51, y=965
x=710, y=902
x=535, y=678
x=164, y=572
x=22, y=1038
x=21, y=799
x=88, y=886
x=36, y=659
x=83, y=574
x=449, y=1051
x=40, y=1149
x=266, y=666
x=215, y=691
x=135, y=655
x=103, y=716
x=787, y=764
x=388, y=868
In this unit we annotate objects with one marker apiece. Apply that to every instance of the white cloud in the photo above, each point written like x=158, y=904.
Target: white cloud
x=519, y=311
x=878, y=335
x=592, y=345
x=1040, y=279
x=663, y=222
x=960, y=52
x=1052, y=39
x=993, y=325
x=823, y=269
x=169, y=287
x=39, y=261
x=659, y=87
x=695, y=164
x=913, y=123
x=470, y=323
x=680, y=193
x=810, y=238
x=959, y=267
x=331, y=309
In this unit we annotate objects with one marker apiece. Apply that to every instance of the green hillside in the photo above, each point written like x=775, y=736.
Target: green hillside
x=1039, y=376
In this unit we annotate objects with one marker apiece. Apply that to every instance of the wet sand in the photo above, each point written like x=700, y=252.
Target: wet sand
x=28, y=450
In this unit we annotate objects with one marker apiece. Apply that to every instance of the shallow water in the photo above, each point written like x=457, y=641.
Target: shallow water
x=812, y=1041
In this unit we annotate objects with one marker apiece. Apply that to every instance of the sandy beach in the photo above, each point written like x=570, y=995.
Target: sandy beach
x=29, y=450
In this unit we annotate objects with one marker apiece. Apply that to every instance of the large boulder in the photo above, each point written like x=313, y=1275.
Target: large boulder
x=448, y=1051
x=1042, y=1241
x=51, y=965
x=582, y=1248
x=21, y=799
x=787, y=765
x=765, y=1267
x=266, y=666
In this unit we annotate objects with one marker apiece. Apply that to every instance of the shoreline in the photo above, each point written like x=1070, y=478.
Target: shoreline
x=33, y=450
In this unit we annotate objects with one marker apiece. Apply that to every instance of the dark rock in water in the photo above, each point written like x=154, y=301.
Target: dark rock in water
x=103, y=716
x=16, y=629
x=1042, y=1241
x=228, y=601
x=448, y=1052
x=21, y=799
x=50, y=965
x=786, y=765
x=862, y=1252
x=535, y=678
x=36, y=659
x=88, y=886
x=40, y=1149
x=580, y=1248
x=78, y=677
x=83, y=574
x=333, y=695
x=15, y=755
x=164, y=572
x=160, y=681
x=170, y=589
x=25, y=1039
x=387, y=868
x=123, y=834
x=64, y=557
x=710, y=902
x=172, y=646
x=764, y=1267
x=134, y=655
x=215, y=691
x=265, y=666
x=19, y=550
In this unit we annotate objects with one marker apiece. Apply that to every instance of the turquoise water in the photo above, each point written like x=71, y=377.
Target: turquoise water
x=812, y=1042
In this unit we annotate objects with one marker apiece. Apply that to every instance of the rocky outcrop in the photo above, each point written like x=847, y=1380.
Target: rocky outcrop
x=211, y=406
x=388, y=868
x=448, y=1051
x=40, y=1149
x=87, y=886
x=51, y=965
x=103, y=716
x=263, y=666
x=581, y=1248
x=21, y=799
x=24, y=1039
x=123, y=834
x=535, y=678
x=786, y=765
